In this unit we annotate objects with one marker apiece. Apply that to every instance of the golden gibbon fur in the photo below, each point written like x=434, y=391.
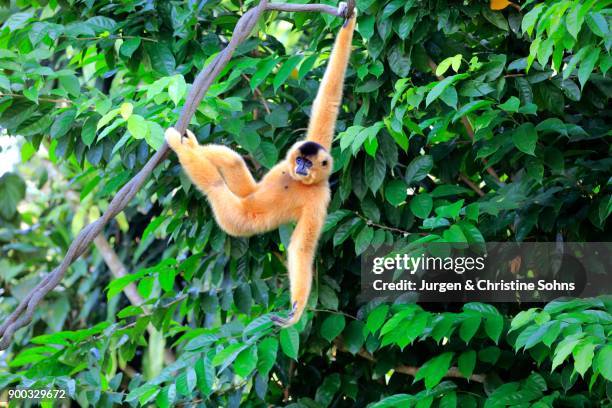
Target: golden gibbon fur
x=294, y=190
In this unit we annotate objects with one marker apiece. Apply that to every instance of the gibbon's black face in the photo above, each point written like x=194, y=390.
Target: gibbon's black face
x=310, y=163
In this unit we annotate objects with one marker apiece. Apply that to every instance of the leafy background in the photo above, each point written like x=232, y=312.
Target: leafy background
x=437, y=93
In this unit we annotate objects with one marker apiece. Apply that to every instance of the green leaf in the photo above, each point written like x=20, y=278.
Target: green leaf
x=353, y=336
x=530, y=19
x=332, y=326
x=107, y=117
x=162, y=59
x=306, y=66
x=586, y=66
x=12, y=191
x=129, y=46
x=290, y=342
x=334, y=218
x=167, y=396
x=407, y=24
x=511, y=105
x=227, y=355
x=450, y=211
x=205, y=373
x=598, y=24
x=443, y=66
x=325, y=393
x=397, y=400
x=246, y=362
x=266, y=154
x=399, y=60
x=470, y=107
x=449, y=400
x=471, y=233
x=454, y=234
x=522, y=318
x=469, y=326
x=264, y=68
x=574, y=20
x=266, y=355
x=602, y=362
x=395, y=192
x=176, y=89
x=434, y=370
x=284, y=72
x=138, y=126
x=88, y=132
x=525, y=138
x=155, y=136
x=576, y=58
x=117, y=285
x=583, y=356
x=496, y=18
x=71, y=83
x=366, y=26
x=418, y=169
x=166, y=278
x=438, y=89
x=62, y=124
x=564, y=349
x=421, y=205
x=376, y=318
x=363, y=239
x=201, y=341
x=494, y=325
x=186, y=381
x=466, y=363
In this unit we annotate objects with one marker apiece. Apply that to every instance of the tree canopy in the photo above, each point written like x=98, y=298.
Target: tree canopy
x=461, y=122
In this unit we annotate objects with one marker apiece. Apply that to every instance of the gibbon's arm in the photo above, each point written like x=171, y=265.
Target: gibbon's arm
x=329, y=97
x=300, y=258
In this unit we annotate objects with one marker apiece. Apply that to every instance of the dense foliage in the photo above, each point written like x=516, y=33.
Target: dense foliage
x=437, y=93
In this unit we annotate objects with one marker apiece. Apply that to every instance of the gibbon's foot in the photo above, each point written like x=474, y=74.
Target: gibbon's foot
x=175, y=140
x=284, y=322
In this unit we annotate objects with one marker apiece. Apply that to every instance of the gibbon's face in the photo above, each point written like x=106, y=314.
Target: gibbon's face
x=309, y=162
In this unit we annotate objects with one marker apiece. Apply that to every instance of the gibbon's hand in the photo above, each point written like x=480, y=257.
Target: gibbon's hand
x=347, y=10
x=176, y=141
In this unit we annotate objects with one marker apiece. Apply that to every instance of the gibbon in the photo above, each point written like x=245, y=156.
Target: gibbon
x=295, y=189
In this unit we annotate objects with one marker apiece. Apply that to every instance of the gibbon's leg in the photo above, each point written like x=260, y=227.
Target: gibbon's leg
x=300, y=258
x=200, y=170
x=229, y=210
x=329, y=96
x=232, y=167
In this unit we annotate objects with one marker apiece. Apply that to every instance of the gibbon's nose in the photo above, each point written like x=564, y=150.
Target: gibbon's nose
x=301, y=170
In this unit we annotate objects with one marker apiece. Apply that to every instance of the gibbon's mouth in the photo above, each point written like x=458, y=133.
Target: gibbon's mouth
x=299, y=170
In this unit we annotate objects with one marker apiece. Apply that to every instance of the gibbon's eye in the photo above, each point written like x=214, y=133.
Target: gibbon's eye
x=298, y=160
x=308, y=164
x=324, y=163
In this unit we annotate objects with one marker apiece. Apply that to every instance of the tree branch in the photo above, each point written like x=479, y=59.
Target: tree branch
x=118, y=270
x=453, y=372
x=22, y=315
x=471, y=184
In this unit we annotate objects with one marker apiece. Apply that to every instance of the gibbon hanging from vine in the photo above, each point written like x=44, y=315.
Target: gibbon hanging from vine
x=295, y=189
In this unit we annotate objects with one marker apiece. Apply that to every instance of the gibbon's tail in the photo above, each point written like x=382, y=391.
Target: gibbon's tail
x=329, y=97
